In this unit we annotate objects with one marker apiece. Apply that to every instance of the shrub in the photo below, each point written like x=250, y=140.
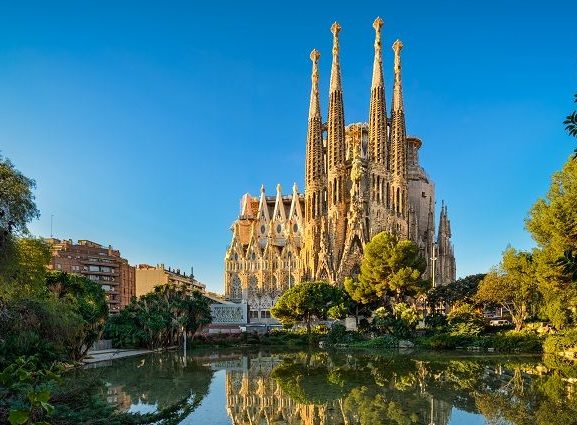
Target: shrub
x=445, y=341
x=436, y=321
x=336, y=334
x=463, y=319
x=562, y=341
x=513, y=342
x=45, y=328
x=26, y=390
x=505, y=342
x=382, y=342
x=387, y=323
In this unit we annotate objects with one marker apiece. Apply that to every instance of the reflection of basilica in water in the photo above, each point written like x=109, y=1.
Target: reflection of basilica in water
x=339, y=388
x=255, y=395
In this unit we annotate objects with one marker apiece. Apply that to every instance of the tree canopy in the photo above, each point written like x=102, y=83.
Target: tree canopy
x=462, y=290
x=159, y=318
x=307, y=301
x=390, y=269
x=17, y=206
x=552, y=222
x=571, y=125
x=512, y=285
x=87, y=299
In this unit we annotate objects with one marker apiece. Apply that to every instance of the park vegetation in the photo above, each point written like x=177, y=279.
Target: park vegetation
x=159, y=319
x=49, y=320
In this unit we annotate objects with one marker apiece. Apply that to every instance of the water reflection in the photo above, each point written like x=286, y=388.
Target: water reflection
x=350, y=388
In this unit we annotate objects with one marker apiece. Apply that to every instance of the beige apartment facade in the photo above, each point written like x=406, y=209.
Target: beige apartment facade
x=147, y=277
x=103, y=265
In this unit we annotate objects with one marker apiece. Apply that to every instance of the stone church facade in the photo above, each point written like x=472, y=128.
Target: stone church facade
x=360, y=179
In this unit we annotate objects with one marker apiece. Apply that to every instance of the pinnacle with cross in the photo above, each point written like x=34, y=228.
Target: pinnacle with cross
x=315, y=55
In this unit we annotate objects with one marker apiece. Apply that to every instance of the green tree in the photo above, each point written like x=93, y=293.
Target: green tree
x=569, y=264
x=88, y=300
x=158, y=319
x=23, y=266
x=552, y=222
x=571, y=125
x=462, y=290
x=17, y=206
x=391, y=269
x=464, y=319
x=309, y=300
x=512, y=285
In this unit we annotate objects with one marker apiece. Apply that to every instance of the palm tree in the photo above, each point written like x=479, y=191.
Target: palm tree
x=571, y=125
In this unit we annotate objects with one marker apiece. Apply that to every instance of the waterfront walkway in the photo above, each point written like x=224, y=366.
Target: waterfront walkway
x=111, y=354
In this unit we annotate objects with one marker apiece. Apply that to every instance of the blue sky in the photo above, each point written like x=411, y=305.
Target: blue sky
x=144, y=123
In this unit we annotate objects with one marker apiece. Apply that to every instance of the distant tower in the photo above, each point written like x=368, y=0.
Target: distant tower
x=446, y=269
x=336, y=149
x=378, y=143
x=399, y=149
x=315, y=176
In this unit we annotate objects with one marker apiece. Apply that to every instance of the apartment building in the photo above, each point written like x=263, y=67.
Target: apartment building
x=147, y=277
x=98, y=263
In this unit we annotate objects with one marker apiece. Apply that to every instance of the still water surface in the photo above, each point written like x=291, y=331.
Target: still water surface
x=344, y=388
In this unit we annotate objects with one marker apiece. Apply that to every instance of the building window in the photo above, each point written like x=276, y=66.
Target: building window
x=265, y=314
x=253, y=314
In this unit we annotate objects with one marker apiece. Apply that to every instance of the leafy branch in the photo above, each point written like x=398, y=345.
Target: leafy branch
x=571, y=125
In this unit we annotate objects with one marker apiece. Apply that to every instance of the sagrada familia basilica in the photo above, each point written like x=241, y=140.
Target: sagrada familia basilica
x=360, y=179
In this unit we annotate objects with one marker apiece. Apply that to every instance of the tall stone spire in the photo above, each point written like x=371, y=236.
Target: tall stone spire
x=336, y=149
x=336, y=67
x=336, y=118
x=398, y=139
x=446, y=270
x=377, y=108
x=315, y=176
x=314, y=151
x=378, y=143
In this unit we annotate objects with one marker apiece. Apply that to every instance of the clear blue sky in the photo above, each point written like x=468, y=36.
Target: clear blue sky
x=143, y=123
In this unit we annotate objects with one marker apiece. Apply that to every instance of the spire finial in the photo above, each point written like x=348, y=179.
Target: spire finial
x=314, y=108
x=397, y=47
x=377, y=66
x=397, y=91
x=262, y=188
x=335, y=29
x=278, y=188
x=295, y=188
x=377, y=25
x=336, y=68
x=315, y=55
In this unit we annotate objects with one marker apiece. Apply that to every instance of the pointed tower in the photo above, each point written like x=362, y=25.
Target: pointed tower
x=315, y=176
x=398, y=137
x=337, y=173
x=446, y=269
x=357, y=224
x=263, y=219
x=378, y=146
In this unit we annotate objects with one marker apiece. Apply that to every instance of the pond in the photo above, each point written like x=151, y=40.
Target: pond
x=348, y=388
